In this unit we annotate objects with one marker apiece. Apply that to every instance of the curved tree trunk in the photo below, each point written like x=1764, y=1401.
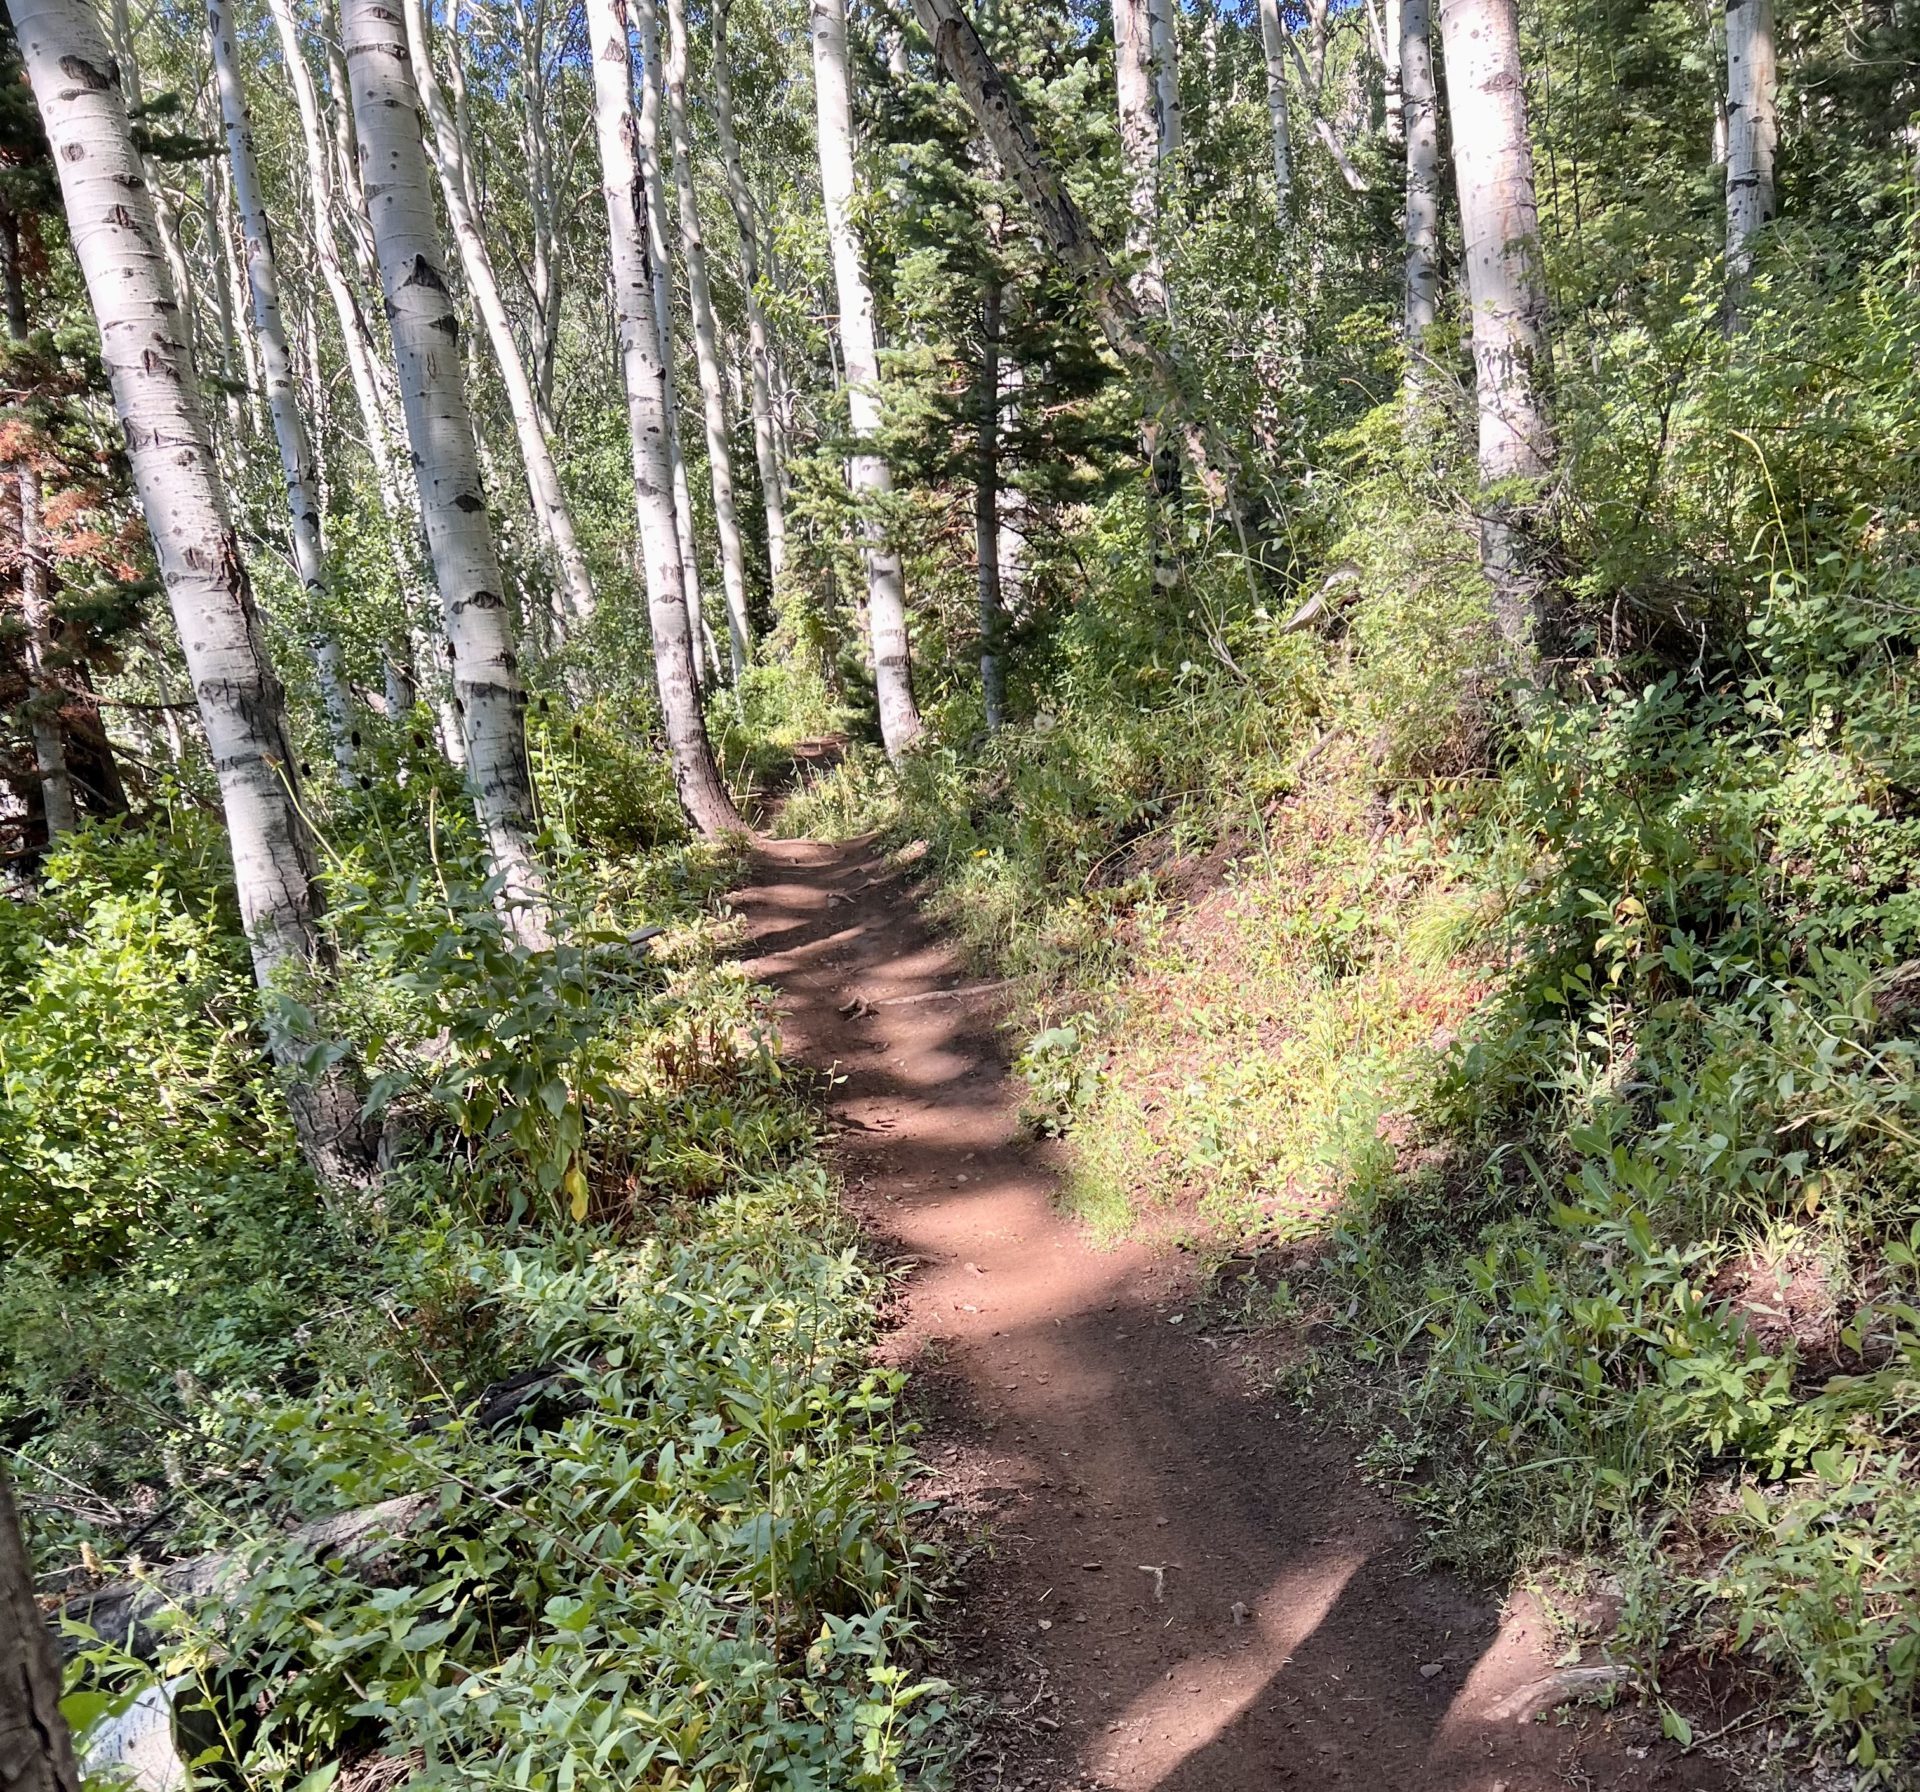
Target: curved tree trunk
x=1500, y=231
x=766, y=451
x=1421, y=112
x=487, y=688
x=532, y=428
x=1751, y=136
x=695, y=775
x=693, y=251
x=871, y=479
x=276, y=369
x=116, y=239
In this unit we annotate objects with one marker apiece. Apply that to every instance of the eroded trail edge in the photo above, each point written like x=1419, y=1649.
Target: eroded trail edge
x=1184, y=1587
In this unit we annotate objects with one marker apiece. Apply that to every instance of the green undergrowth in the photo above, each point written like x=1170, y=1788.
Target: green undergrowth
x=691, y=1560
x=1557, y=1053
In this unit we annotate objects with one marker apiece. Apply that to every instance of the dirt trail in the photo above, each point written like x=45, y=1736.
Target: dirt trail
x=1185, y=1588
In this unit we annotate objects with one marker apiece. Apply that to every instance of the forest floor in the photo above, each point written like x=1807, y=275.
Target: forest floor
x=1171, y=1580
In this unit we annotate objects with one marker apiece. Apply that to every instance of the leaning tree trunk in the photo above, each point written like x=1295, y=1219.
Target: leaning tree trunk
x=706, y=351
x=276, y=369
x=1072, y=244
x=532, y=429
x=1500, y=231
x=1273, y=42
x=660, y=241
x=36, y=1752
x=115, y=237
x=872, y=481
x=1421, y=113
x=487, y=688
x=695, y=775
x=1751, y=135
x=986, y=509
x=766, y=451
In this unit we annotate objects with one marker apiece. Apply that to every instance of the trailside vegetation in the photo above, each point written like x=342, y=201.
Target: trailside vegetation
x=1376, y=545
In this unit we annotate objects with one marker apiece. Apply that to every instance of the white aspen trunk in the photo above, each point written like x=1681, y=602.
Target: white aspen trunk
x=986, y=511
x=535, y=105
x=759, y=347
x=363, y=363
x=1013, y=512
x=1139, y=143
x=693, y=251
x=283, y=401
x=222, y=308
x=695, y=776
x=1135, y=36
x=345, y=144
x=1752, y=132
x=43, y=710
x=404, y=656
x=115, y=237
x=531, y=429
x=1273, y=42
x=1163, y=34
x=1312, y=86
x=238, y=345
x=660, y=244
x=487, y=688
x=1422, y=232
x=1393, y=66
x=871, y=479
x=1500, y=233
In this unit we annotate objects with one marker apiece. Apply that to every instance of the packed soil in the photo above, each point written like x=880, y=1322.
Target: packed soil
x=1171, y=1580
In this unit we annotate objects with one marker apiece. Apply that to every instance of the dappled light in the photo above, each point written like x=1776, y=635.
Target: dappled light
x=908, y=896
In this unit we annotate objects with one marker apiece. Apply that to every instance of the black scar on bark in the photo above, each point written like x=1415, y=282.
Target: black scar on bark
x=469, y=503
x=120, y=216
x=425, y=274
x=91, y=79
x=486, y=600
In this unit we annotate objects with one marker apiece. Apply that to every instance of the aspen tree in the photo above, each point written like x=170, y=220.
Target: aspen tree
x=986, y=508
x=706, y=351
x=760, y=370
x=276, y=371
x=695, y=775
x=487, y=689
x=1421, y=112
x=1752, y=131
x=1273, y=44
x=116, y=239
x=660, y=242
x=1500, y=232
x=532, y=429
x=871, y=478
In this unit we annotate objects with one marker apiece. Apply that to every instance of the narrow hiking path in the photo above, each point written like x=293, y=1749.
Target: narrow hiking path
x=1184, y=1587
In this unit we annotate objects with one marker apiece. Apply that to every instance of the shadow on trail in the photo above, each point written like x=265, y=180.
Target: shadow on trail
x=1186, y=1590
